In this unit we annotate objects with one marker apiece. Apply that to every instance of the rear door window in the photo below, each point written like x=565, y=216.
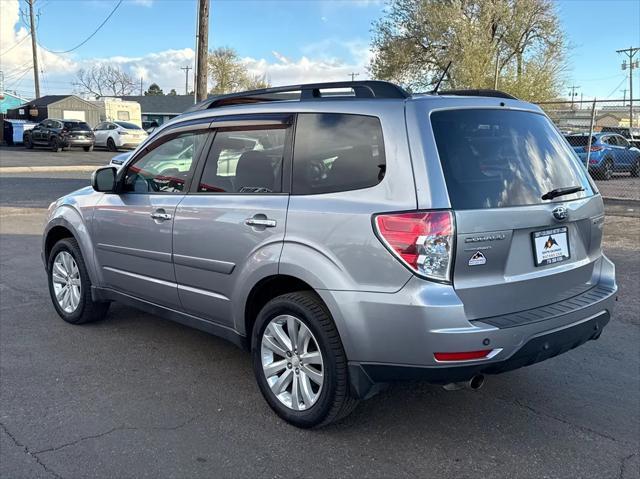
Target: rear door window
x=337, y=152
x=502, y=158
x=245, y=161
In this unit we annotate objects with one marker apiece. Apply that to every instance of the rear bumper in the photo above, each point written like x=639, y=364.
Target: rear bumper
x=366, y=376
x=128, y=142
x=393, y=337
x=79, y=142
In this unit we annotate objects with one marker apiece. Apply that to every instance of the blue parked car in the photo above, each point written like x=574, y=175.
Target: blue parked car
x=610, y=153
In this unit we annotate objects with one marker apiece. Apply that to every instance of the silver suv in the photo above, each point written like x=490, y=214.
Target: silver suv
x=349, y=235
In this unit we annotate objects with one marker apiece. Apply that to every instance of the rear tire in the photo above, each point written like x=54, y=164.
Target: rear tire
x=111, y=145
x=331, y=400
x=54, y=144
x=87, y=148
x=70, y=286
x=607, y=170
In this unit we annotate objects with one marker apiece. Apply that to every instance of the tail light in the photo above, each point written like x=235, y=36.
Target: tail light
x=422, y=240
x=594, y=148
x=593, y=162
x=64, y=131
x=123, y=132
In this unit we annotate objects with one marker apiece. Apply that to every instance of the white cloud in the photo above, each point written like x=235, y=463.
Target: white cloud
x=164, y=67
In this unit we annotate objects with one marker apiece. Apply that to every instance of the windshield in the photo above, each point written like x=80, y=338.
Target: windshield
x=128, y=126
x=500, y=158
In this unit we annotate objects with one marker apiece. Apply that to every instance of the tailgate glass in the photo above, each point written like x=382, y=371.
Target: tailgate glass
x=501, y=158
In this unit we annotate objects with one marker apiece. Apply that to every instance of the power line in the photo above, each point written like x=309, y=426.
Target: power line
x=15, y=44
x=90, y=36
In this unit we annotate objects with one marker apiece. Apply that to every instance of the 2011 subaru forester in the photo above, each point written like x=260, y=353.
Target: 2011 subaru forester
x=349, y=235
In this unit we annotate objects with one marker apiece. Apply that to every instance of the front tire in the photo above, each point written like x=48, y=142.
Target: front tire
x=635, y=169
x=28, y=142
x=70, y=286
x=299, y=362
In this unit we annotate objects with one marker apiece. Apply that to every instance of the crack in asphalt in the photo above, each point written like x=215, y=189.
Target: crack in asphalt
x=30, y=453
x=559, y=419
x=115, y=429
x=623, y=463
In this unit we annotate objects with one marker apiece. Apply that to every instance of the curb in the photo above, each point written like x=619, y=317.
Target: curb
x=48, y=169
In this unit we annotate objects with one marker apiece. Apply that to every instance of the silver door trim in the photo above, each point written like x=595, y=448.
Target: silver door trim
x=142, y=253
x=140, y=276
x=217, y=266
x=203, y=292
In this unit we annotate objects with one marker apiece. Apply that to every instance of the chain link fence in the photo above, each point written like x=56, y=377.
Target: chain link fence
x=606, y=137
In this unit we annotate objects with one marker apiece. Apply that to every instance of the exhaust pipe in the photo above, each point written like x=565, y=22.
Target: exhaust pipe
x=475, y=383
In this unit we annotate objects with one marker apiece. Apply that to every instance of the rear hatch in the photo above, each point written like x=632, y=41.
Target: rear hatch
x=514, y=249
x=78, y=130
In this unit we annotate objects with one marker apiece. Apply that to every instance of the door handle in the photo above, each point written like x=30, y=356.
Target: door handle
x=265, y=222
x=160, y=215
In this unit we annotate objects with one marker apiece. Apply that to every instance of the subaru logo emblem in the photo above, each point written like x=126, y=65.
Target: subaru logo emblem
x=560, y=213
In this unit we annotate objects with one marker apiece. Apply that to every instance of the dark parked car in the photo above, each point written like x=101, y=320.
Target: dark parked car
x=609, y=153
x=58, y=134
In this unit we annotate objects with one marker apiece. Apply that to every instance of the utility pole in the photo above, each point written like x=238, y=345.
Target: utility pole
x=353, y=75
x=141, y=88
x=624, y=96
x=630, y=53
x=34, y=48
x=186, y=78
x=573, y=93
x=202, y=50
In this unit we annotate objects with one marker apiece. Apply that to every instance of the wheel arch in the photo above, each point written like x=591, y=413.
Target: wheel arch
x=264, y=291
x=67, y=222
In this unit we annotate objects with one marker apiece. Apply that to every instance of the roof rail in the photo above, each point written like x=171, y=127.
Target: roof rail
x=312, y=91
x=478, y=92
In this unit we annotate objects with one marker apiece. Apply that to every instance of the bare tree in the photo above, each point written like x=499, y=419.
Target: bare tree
x=104, y=80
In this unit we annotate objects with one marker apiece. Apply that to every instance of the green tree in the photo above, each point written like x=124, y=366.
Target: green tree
x=173, y=92
x=520, y=39
x=229, y=74
x=154, y=90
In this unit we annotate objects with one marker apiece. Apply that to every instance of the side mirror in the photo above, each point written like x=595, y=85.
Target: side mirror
x=104, y=179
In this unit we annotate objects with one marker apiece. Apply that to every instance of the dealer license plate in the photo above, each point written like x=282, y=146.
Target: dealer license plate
x=551, y=246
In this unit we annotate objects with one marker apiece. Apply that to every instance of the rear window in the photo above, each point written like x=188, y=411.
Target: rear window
x=337, y=152
x=580, y=140
x=76, y=126
x=127, y=125
x=501, y=158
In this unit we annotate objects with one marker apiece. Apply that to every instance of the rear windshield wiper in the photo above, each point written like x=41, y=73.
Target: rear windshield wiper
x=561, y=192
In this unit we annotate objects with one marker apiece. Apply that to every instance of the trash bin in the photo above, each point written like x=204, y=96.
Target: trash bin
x=14, y=130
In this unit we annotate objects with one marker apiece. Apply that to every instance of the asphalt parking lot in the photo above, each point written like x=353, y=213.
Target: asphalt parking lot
x=136, y=396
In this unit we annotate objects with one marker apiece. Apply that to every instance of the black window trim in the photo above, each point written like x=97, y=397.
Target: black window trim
x=244, y=122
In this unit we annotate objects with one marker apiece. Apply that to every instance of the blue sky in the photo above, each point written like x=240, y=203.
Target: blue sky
x=292, y=40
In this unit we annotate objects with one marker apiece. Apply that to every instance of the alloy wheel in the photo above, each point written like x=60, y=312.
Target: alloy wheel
x=292, y=362
x=67, y=285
